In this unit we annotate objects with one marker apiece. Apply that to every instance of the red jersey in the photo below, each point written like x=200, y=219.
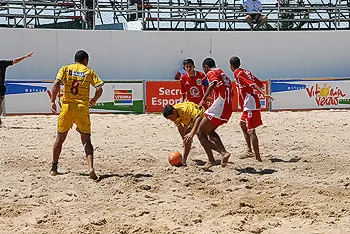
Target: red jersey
x=194, y=87
x=222, y=94
x=248, y=97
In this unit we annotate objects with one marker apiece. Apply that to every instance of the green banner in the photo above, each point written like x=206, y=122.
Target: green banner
x=121, y=97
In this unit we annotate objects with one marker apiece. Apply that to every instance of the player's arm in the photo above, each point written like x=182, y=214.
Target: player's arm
x=55, y=89
x=187, y=139
x=257, y=88
x=97, y=83
x=181, y=129
x=210, y=89
x=98, y=94
x=17, y=60
x=193, y=131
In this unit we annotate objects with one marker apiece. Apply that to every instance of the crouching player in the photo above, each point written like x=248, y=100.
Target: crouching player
x=186, y=116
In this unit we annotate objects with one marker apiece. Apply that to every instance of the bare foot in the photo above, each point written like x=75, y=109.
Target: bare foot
x=53, y=171
x=257, y=157
x=92, y=174
x=208, y=165
x=224, y=159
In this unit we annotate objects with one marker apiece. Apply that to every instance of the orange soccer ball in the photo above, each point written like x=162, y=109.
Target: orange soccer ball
x=175, y=158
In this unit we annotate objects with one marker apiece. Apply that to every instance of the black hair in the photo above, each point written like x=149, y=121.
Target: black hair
x=80, y=56
x=208, y=62
x=235, y=61
x=187, y=61
x=168, y=110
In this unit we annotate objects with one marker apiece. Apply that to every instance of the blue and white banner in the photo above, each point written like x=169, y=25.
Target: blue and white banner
x=28, y=97
x=310, y=94
x=34, y=97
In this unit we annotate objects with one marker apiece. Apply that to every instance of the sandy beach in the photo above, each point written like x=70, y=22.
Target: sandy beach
x=302, y=185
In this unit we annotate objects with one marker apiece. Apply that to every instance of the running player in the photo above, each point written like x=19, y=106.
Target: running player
x=3, y=65
x=76, y=79
x=186, y=116
x=217, y=114
x=249, y=85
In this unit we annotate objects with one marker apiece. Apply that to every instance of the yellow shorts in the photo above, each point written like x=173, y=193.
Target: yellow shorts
x=74, y=113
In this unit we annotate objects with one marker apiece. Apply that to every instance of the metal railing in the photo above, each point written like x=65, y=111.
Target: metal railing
x=166, y=15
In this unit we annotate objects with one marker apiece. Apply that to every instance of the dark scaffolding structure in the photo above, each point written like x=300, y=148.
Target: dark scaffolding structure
x=184, y=15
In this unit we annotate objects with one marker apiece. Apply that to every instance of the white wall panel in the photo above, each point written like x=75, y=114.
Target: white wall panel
x=133, y=55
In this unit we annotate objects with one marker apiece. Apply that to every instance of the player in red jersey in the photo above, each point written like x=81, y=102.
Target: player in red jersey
x=217, y=114
x=249, y=85
x=193, y=84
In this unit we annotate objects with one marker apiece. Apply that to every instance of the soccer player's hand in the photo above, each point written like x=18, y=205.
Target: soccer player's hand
x=53, y=107
x=92, y=102
x=29, y=55
x=188, y=138
x=269, y=96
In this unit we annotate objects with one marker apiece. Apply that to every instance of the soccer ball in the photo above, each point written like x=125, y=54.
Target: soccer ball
x=175, y=158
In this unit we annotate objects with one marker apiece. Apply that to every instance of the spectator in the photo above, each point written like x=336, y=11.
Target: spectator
x=254, y=9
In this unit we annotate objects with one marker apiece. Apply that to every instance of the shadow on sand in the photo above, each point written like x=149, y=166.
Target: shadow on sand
x=292, y=160
x=105, y=176
x=251, y=170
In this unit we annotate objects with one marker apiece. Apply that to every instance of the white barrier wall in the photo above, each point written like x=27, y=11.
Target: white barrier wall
x=130, y=55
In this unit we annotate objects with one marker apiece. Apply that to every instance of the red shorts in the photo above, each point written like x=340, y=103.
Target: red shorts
x=215, y=121
x=252, y=119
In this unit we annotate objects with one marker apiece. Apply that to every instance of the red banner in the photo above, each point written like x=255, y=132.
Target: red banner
x=161, y=93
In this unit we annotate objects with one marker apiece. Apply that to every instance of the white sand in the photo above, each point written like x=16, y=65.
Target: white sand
x=306, y=188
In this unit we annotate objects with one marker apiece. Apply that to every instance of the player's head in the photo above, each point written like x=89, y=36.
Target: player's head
x=81, y=56
x=208, y=64
x=235, y=63
x=169, y=112
x=188, y=65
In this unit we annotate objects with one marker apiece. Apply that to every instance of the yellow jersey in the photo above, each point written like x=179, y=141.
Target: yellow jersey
x=188, y=113
x=77, y=79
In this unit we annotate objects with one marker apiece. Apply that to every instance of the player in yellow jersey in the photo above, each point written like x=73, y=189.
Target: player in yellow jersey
x=187, y=117
x=76, y=79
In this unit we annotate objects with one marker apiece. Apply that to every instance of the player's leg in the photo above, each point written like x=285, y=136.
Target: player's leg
x=213, y=136
x=204, y=128
x=82, y=120
x=89, y=152
x=254, y=121
x=255, y=143
x=2, y=96
x=1, y=100
x=243, y=125
x=57, y=148
x=65, y=122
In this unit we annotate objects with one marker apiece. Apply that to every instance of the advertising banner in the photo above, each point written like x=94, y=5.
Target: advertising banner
x=310, y=94
x=33, y=97
x=162, y=93
x=120, y=97
x=29, y=97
